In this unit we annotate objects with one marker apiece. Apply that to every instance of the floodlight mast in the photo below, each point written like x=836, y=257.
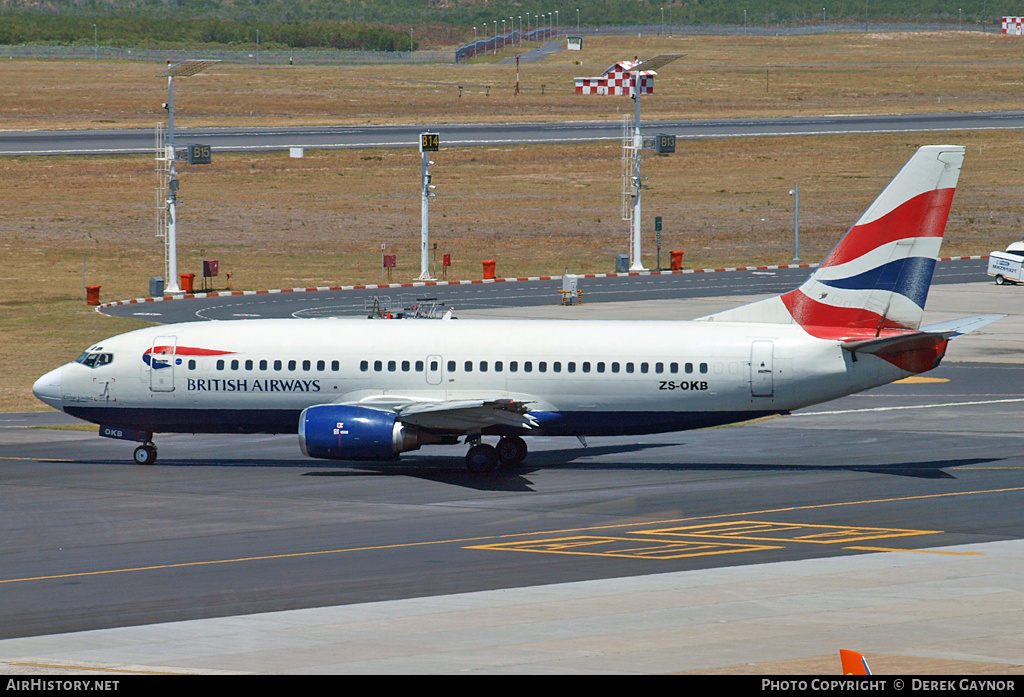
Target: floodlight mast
x=638, y=144
x=183, y=69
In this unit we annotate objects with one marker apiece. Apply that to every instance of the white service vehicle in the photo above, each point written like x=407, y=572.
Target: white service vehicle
x=1006, y=266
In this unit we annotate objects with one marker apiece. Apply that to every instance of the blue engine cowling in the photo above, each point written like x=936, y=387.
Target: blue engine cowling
x=334, y=432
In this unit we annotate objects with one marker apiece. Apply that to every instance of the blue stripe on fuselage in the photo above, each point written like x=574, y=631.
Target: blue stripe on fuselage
x=579, y=423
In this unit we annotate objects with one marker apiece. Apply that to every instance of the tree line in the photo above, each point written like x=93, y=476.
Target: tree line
x=142, y=31
x=384, y=26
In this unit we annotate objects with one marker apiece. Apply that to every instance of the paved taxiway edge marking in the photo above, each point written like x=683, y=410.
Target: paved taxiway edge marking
x=155, y=567
x=434, y=284
x=912, y=406
x=918, y=551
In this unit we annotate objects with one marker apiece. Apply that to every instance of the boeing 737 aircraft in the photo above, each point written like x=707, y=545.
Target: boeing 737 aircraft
x=360, y=389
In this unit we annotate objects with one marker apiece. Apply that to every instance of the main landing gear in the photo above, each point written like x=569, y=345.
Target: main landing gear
x=145, y=454
x=510, y=452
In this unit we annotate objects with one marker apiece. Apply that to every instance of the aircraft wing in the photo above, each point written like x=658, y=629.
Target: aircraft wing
x=467, y=415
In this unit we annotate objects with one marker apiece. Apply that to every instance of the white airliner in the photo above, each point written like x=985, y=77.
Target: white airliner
x=360, y=389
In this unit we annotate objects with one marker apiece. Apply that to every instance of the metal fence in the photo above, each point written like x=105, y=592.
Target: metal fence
x=276, y=57
x=465, y=52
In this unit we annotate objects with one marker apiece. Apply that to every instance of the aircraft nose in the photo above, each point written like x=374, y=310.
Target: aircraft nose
x=47, y=389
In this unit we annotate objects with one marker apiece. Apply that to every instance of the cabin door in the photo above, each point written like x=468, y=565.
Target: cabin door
x=161, y=358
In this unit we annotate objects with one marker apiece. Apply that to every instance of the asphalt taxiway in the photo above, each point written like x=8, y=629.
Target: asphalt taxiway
x=888, y=521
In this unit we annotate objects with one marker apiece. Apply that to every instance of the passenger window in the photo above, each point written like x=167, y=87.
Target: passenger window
x=392, y=366
x=629, y=367
x=659, y=367
x=364, y=365
x=643, y=367
x=600, y=367
x=528, y=367
x=451, y=366
x=703, y=367
x=419, y=366
x=405, y=366
x=336, y=366
x=469, y=366
x=291, y=365
x=248, y=364
x=498, y=366
x=615, y=367
x=306, y=365
x=378, y=366
x=571, y=366
x=689, y=367
x=586, y=367
x=513, y=366
x=277, y=365
x=483, y=366
x=673, y=367
x=263, y=365
x=192, y=364
x=556, y=367
x=321, y=365
x=542, y=367
x=220, y=364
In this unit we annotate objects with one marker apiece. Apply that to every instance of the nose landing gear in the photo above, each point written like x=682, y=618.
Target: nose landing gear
x=145, y=454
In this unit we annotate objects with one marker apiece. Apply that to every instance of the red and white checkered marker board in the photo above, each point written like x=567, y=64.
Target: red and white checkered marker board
x=617, y=80
x=1013, y=25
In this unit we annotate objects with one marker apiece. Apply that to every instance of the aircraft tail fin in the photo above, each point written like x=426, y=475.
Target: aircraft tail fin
x=853, y=663
x=877, y=277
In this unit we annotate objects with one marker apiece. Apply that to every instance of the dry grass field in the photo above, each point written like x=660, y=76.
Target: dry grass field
x=273, y=221
x=720, y=77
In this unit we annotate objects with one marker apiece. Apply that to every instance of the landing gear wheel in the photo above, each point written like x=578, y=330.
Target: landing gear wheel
x=145, y=454
x=511, y=451
x=481, y=458
x=1000, y=280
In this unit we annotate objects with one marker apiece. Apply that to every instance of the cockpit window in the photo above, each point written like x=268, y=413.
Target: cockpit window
x=95, y=359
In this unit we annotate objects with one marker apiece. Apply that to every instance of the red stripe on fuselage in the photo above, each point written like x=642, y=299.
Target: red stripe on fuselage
x=186, y=351
x=922, y=216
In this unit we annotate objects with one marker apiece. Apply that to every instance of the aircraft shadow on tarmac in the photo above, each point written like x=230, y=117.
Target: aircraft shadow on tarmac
x=451, y=469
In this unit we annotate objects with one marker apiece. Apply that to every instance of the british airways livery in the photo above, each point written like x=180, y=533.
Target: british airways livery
x=359, y=389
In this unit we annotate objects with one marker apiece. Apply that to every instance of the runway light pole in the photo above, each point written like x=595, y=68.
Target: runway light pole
x=652, y=64
x=795, y=193
x=183, y=69
x=429, y=143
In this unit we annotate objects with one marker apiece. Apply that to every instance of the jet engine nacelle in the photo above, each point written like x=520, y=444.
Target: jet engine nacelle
x=334, y=432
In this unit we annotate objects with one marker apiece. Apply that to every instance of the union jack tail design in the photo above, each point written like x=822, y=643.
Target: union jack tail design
x=876, y=279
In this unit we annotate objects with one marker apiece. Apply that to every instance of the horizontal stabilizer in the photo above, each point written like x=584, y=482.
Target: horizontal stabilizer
x=915, y=352
x=958, y=327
